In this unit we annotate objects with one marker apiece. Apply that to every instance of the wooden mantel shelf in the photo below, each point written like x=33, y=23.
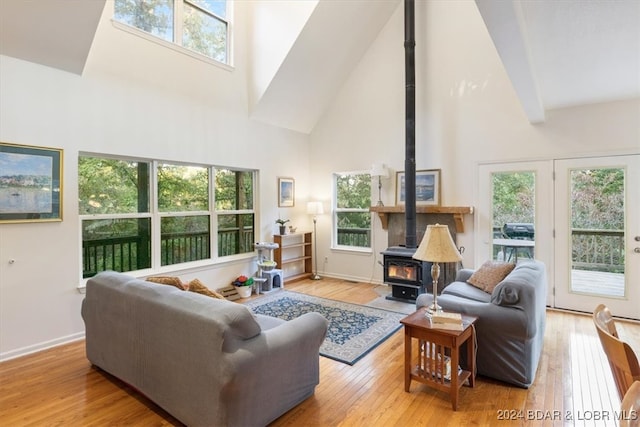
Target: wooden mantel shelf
x=458, y=213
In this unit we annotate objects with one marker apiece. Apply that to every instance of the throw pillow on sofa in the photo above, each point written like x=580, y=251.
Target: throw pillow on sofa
x=167, y=280
x=490, y=274
x=196, y=286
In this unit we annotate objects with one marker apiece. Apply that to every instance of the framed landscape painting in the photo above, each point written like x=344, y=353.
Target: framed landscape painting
x=427, y=188
x=286, y=192
x=30, y=183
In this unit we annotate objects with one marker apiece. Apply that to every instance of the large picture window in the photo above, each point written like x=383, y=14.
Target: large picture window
x=198, y=25
x=352, y=219
x=125, y=229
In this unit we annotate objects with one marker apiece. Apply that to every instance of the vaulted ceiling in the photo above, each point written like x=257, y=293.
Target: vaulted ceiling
x=556, y=53
x=329, y=46
x=567, y=53
x=54, y=33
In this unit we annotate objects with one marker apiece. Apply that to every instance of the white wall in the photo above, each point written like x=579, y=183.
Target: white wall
x=128, y=102
x=467, y=113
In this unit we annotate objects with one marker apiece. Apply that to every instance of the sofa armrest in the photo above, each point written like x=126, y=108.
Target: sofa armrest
x=463, y=274
x=302, y=334
x=524, y=289
x=278, y=368
x=423, y=300
x=306, y=332
x=514, y=294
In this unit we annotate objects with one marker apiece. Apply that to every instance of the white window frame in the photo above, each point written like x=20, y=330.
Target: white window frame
x=156, y=216
x=336, y=211
x=176, y=44
x=218, y=212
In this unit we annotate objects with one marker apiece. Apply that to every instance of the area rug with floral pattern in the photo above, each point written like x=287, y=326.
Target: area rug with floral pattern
x=354, y=330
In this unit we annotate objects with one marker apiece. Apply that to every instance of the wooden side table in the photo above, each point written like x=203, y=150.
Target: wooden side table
x=436, y=347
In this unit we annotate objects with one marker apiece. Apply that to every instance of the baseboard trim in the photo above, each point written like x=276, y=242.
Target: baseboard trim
x=24, y=351
x=350, y=278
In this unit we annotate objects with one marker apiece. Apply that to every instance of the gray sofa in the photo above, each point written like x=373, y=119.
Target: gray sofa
x=206, y=361
x=510, y=328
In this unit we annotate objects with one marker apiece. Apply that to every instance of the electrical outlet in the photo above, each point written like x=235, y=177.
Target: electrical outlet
x=326, y=259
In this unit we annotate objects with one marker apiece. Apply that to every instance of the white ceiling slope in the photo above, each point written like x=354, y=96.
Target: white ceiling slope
x=55, y=33
x=566, y=53
x=330, y=45
x=557, y=53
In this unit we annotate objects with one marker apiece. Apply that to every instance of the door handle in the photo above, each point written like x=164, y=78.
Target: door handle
x=636, y=250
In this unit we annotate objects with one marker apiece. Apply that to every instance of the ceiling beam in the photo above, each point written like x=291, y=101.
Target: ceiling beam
x=504, y=22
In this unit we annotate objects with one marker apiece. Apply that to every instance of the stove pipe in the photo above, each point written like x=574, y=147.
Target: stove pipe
x=410, y=124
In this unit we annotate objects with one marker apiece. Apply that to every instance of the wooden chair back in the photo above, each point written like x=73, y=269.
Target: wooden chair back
x=605, y=319
x=622, y=359
x=630, y=408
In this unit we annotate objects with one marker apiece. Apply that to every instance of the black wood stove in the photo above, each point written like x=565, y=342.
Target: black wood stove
x=409, y=277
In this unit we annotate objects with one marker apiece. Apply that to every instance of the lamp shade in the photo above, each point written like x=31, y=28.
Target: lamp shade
x=437, y=245
x=315, y=208
x=378, y=169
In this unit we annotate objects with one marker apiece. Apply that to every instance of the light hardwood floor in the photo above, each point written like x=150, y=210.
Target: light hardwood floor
x=59, y=386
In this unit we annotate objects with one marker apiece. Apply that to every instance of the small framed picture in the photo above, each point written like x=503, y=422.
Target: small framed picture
x=30, y=183
x=427, y=188
x=286, y=192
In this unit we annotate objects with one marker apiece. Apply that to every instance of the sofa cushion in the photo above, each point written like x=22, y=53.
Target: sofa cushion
x=490, y=274
x=167, y=280
x=465, y=290
x=198, y=287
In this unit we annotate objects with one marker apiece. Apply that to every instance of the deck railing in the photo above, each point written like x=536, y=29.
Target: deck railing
x=129, y=253
x=359, y=237
x=597, y=250
x=176, y=248
x=117, y=253
x=601, y=250
x=236, y=240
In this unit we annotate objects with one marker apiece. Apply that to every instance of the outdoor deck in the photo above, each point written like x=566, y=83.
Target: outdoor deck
x=598, y=282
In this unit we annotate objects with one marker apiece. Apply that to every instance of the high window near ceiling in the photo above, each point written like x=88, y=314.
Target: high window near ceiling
x=351, y=216
x=138, y=215
x=201, y=26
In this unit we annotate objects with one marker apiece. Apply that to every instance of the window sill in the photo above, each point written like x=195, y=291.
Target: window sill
x=180, y=269
x=177, y=48
x=352, y=250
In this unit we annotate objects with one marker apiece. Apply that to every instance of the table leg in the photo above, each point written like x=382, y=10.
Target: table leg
x=471, y=356
x=407, y=358
x=455, y=389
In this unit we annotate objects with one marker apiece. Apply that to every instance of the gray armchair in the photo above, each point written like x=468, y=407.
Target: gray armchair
x=510, y=328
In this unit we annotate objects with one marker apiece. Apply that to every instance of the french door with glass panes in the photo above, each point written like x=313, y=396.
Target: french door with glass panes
x=597, y=228
x=514, y=214
x=584, y=225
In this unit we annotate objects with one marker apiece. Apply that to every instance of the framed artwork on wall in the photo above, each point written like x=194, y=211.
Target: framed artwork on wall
x=30, y=183
x=427, y=188
x=286, y=192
